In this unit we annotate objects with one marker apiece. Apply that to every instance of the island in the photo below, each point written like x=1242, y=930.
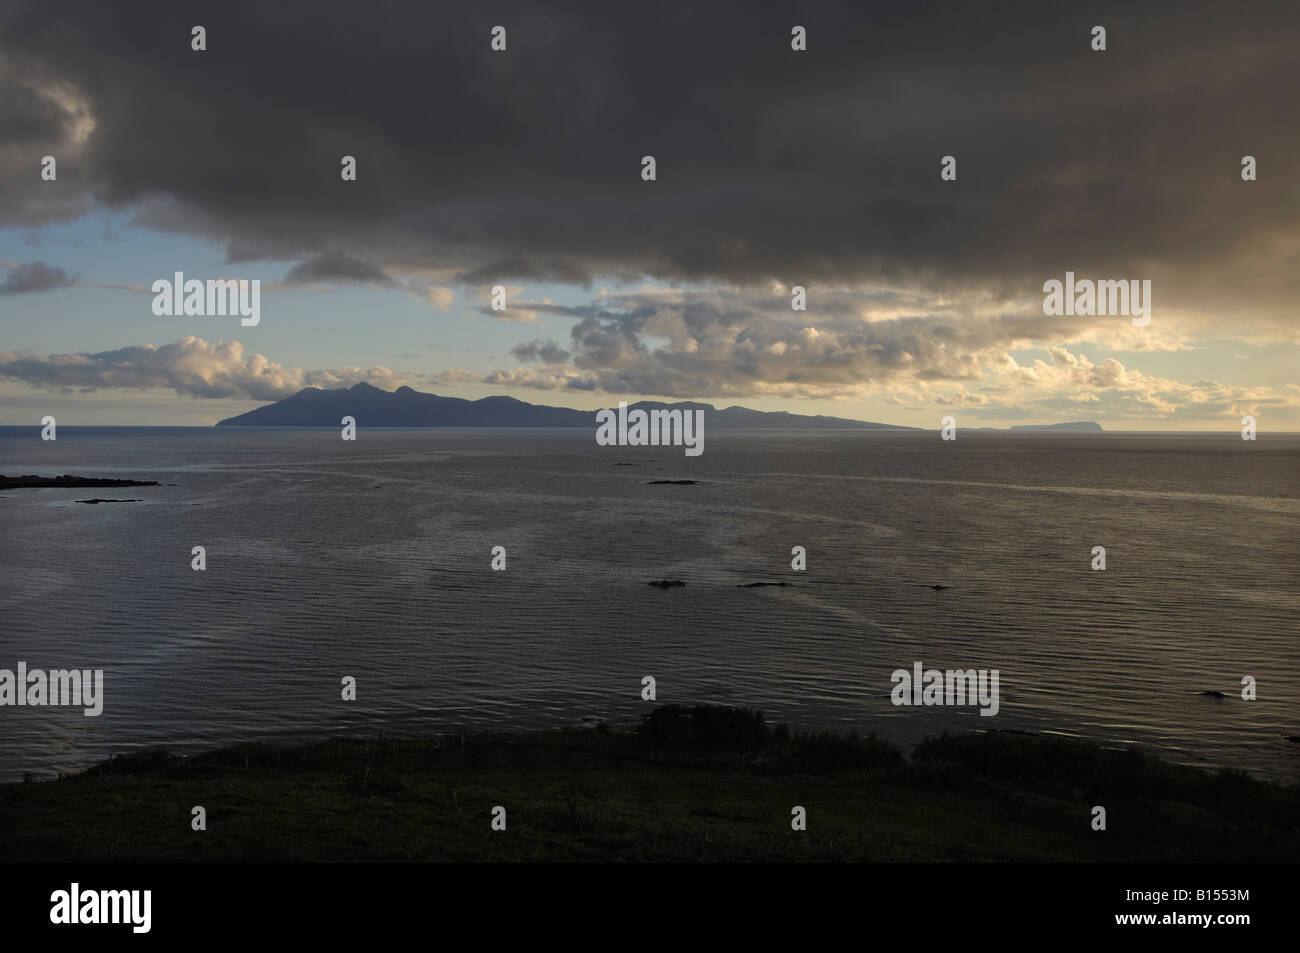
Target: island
x=29, y=481
x=405, y=407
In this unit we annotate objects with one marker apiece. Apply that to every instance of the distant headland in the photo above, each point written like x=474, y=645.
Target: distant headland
x=1078, y=425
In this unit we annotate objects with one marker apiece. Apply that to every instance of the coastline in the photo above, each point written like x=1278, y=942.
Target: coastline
x=705, y=783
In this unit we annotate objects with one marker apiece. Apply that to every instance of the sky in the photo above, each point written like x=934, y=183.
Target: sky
x=775, y=168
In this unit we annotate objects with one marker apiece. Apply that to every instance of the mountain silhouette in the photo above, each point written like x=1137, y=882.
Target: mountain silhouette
x=405, y=407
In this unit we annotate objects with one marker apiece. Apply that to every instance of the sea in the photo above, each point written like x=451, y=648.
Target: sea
x=372, y=560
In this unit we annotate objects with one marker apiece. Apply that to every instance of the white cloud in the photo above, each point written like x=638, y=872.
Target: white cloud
x=191, y=366
x=943, y=350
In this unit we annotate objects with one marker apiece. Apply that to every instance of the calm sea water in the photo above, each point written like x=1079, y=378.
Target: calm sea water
x=372, y=559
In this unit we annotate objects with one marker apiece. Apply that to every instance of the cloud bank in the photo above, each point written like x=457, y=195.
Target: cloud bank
x=819, y=167
x=191, y=367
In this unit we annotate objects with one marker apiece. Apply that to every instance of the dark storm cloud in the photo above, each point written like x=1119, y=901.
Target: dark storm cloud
x=333, y=267
x=566, y=268
x=35, y=276
x=820, y=166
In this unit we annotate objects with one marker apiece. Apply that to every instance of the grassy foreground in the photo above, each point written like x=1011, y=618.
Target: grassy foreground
x=699, y=784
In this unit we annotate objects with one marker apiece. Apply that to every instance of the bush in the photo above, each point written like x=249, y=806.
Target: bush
x=706, y=726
